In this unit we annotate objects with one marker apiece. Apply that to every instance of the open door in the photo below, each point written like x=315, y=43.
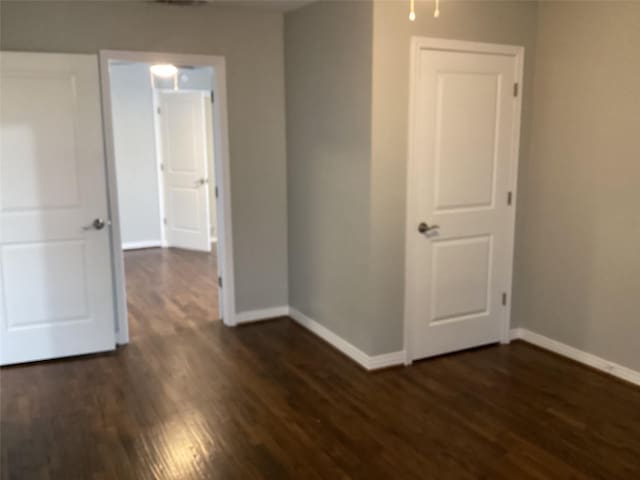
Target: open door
x=181, y=120
x=56, y=296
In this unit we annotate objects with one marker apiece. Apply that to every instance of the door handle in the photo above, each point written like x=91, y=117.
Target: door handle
x=424, y=227
x=202, y=181
x=97, y=224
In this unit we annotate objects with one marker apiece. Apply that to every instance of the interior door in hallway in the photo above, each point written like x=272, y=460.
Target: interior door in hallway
x=183, y=153
x=459, y=232
x=56, y=296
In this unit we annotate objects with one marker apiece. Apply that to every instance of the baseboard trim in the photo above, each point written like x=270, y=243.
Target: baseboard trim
x=262, y=314
x=580, y=356
x=139, y=245
x=368, y=362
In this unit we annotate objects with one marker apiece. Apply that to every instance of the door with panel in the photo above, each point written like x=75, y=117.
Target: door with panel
x=181, y=117
x=56, y=296
x=459, y=230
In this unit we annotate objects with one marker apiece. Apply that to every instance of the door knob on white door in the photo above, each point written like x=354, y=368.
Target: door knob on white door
x=202, y=181
x=424, y=227
x=97, y=224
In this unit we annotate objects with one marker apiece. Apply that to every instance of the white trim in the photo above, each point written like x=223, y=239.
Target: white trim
x=143, y=244
x=262, y=314
x=354, y=353
x=417, y=44
x=573, y=353
x=223, y=177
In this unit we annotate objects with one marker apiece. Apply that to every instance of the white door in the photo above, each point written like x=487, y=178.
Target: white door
x=183, y=154
x=56, y=295
x=459, y=231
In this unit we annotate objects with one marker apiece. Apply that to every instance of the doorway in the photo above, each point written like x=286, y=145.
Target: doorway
x=462, y=171
x=167, y=153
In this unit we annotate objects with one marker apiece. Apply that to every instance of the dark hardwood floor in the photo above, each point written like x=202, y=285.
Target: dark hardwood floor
x=169, y=290
x=191, y=399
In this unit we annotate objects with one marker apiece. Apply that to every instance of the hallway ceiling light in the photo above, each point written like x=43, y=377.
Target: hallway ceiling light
x=164, y=70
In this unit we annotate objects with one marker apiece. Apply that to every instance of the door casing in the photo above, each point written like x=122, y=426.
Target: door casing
x=222, y=174
x=427, y=43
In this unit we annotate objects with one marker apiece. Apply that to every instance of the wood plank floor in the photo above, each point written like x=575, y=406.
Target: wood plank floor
x=192, y=399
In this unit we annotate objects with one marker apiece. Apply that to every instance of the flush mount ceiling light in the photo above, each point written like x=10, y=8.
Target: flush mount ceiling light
x=164, y=70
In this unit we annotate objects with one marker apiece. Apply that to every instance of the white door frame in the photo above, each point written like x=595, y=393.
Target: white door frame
x=159, y=161
x=427, y=43
x=222, y=167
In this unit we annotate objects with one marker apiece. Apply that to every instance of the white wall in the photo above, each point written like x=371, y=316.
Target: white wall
x=135, y=150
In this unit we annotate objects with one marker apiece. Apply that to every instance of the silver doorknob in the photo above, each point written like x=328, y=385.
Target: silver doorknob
x=97, y=224
x=424, y=227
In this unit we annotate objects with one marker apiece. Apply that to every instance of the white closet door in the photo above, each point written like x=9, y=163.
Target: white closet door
x=458, y=233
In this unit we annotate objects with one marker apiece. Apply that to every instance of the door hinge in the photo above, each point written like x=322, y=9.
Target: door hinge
x=164, y=220
x=211, y=96
x=509, y=198
x=515, y=89
x=158, y=110
x=504, y=298
x=216, y=189
x=162, y=167
x=220, y=282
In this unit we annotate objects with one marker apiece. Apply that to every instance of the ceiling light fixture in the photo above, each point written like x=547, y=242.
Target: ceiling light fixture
x=164, y=70
x=412, y=10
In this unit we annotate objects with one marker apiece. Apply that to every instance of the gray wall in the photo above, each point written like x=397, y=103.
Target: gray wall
x=135, y=149
x=512, y=23
x=251, y=41
x=328, y=78
x=579, y=275
x=347, y=77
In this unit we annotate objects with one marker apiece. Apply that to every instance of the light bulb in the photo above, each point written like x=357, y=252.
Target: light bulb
x=412, y=16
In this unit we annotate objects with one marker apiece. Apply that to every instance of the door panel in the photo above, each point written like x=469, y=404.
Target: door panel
x=465, y=140
x=460, y=278
x=183, y=149
x=462, y=123
x=56, y=296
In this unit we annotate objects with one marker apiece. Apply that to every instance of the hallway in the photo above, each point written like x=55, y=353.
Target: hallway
x=169, y=290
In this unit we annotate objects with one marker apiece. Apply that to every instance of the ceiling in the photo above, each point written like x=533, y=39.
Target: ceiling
x=275, y=5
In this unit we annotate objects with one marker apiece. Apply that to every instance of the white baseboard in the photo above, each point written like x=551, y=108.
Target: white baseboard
x=138, y=245
x=586, y=358
x=262, y=314
x=354, y=353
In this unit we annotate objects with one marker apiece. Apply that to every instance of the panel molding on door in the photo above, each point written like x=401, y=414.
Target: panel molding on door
x=56, y=296
x=462, y=168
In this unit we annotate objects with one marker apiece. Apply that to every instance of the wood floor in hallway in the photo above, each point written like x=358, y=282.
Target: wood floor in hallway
x=191, y=399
